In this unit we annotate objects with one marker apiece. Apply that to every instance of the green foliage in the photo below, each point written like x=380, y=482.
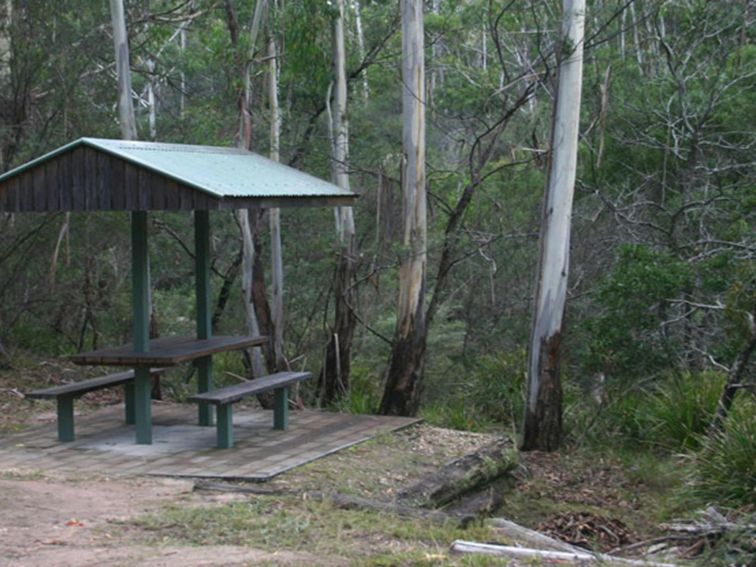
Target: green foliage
x=364, y=395
x=627, y=339
x=724, y=468
x=489, y=393
x=681, y=410
x=669, y=415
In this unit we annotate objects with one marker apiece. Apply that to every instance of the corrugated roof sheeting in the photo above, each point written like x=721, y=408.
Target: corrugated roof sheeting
x=218, y=171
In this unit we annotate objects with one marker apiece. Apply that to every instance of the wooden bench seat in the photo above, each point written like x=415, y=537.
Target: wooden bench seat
x=65, y=395
x=224, y=398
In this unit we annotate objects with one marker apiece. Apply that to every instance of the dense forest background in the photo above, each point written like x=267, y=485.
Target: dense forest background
x=662, y=292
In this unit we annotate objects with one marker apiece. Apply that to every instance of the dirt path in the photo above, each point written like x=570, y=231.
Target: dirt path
x=59, y=522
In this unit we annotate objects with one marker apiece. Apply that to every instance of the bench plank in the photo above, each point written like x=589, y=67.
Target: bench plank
x=76, y=389
x=230, y=394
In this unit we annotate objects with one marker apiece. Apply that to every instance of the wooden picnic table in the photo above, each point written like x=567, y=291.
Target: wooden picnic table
x=165, y=351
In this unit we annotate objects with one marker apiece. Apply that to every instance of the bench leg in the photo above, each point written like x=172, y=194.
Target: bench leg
x=225, y=426
x=65, y=418
x=281, y=409
x=205, y=384
x=128, y=402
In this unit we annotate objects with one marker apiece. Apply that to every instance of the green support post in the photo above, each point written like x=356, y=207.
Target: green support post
x=281, y=408
x=204, y=318
x=128, y=402
x=65, y=418
x=140, y=291
x=225, y=426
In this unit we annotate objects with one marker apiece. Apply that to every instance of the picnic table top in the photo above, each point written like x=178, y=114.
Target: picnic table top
x=166, y=351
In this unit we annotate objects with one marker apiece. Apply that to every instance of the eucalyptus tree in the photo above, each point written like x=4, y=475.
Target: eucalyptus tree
x=334, y=375
x=251, y=264
x=542, y=428
x=404, y=377
x=126, y=116
x=276, y=251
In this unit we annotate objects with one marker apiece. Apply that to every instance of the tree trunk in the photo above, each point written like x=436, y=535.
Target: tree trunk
x=333, y=380
x=126, y=117
x=247, y=219
x=404, y=378
x=151, y=99
x=734, y=376
x=276, y=275
x=543, y=412
x=360, y=45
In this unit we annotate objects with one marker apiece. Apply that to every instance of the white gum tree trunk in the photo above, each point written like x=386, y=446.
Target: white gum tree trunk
x=543, y=413
x=6, y=19
x=126, y=116
x=333, y=380
x=404, y=379
x=244, y=141
x=361, y=46
x=276, y=252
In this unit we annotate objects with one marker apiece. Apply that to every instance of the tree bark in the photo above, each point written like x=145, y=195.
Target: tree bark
x=543, y=412
x=734, y=377
x=404, y=378
x=333, y=380
x=360, y=46
x=247, y=219
x=126, y=117
x=276, y=254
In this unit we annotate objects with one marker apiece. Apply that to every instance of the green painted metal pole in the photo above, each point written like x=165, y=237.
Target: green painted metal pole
x=204, y=317
x=128, y=399
x=140, y=290
x=225, y=429
x=65, y=418
x=281, y=408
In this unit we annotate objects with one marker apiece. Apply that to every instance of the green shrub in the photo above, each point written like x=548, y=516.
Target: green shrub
x=488, y=392
x=364, y=395
x=724, y=468
x=670, y=415
x=681, y=410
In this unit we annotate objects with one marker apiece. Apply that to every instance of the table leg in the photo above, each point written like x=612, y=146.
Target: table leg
x=128, y=402
x=205, y=384
x=281, y=409
x=225, y=426
x=143, y=405
x=65, y=418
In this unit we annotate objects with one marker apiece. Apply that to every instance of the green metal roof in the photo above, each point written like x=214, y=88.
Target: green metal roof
x=219, y=171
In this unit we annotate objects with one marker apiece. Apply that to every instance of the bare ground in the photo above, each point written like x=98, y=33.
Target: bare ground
x=59, y=522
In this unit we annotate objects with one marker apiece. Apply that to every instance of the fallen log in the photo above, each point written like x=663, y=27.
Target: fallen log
x=461, y=546
x=462, y=475
x=344, y=502
x=479, y=505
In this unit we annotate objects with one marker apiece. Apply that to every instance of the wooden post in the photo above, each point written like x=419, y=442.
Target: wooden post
x=204, y=317
x=140, y=291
